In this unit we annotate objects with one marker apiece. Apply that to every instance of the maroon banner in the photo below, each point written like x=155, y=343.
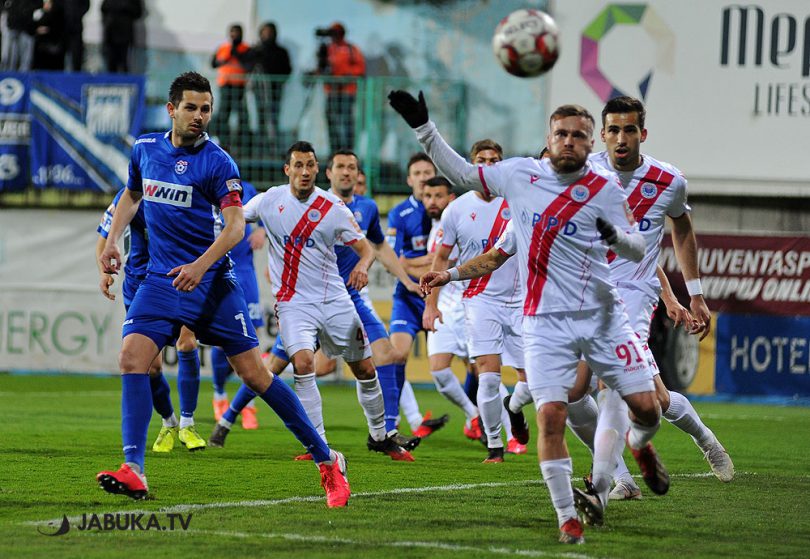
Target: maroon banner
x=748, y=274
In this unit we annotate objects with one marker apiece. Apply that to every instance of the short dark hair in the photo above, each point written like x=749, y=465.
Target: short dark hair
x=440, y=181
x=303, y=147
x=570, y=110
x=269, y=24
x=484, y=144
x=236, y=27
x=622, y=105
x=342, y=152
x=419, y=156
x=188, y=81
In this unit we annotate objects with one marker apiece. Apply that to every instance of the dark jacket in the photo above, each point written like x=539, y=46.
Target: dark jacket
x=271, y=58
x=118, y=17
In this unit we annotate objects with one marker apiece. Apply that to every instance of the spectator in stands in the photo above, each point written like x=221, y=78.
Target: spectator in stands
x=233, y=60
x=272, y=60
x=118, y=18
x=360, y=186
x=341, y=59
x=18, y=35
x=74, y=28
x=49, y=37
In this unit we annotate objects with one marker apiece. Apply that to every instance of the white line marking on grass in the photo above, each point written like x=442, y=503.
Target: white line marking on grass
x=61, y=393
x=320, y=498
x=725, y=417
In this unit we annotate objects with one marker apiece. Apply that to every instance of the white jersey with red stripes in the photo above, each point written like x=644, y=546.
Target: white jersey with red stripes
x=654, y=190
x=562, y=260
x=450, y=294
x=473, y=225
x=303, y=235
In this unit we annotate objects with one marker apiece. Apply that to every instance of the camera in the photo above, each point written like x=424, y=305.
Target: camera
x=324, y=32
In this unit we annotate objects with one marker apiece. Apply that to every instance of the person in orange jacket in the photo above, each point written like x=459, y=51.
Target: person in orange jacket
x=233, y=60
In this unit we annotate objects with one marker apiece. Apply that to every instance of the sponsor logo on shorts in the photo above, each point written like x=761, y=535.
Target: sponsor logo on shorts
x=580, y=193
x=180, y=167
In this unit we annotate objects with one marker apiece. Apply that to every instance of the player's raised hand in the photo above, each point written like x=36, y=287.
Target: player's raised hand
x=433, y=279
x=429, y=316
x=188, y=276
x=358, y=278
x=414, y=111
x=110, y=258
x=104, y=285
x=703, y=317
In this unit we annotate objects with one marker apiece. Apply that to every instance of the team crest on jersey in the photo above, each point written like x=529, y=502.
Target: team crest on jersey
x=234, y=185
x=358, y=215
x=180, y=167
x=506, y=215
x=473, y=216
x=580, y=193
x=314, y=216
x=648, y=190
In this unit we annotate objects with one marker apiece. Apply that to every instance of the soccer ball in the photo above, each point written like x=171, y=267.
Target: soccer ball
x=525, y=43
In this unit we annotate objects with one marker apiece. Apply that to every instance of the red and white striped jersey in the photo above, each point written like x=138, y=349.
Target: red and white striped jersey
x=450, y=294
x=562, y=260
x=654, y=190
x=303, y=235
x=473, y=225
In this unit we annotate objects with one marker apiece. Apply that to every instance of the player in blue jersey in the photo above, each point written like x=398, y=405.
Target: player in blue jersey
x=184, y=181
x=342, y=171
x=242, y=256
x=188, y=370
x=408, y=230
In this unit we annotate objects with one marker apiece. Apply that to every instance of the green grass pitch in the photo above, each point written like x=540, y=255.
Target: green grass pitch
x=251, y=500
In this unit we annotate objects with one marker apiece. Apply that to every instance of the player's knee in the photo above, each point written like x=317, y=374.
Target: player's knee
x=644, y=408
x=130, y=362
x=155, y=370
x=551, y=419
x=363, y=370
x=303, y=364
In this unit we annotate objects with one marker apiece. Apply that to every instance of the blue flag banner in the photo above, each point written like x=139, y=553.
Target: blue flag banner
x=761, y=354
x=15, y=131
x=82, y=128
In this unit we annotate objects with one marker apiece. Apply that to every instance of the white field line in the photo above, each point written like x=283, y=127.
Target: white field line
x=61, y=393
x=396, y=544
x=319, y=498
x=727, y=417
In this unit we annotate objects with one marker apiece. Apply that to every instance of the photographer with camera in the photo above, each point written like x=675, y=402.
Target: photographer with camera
x=339, y=58
x=233, y=60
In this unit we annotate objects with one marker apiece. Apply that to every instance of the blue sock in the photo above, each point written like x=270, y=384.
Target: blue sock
x=221, y=369
x=390, y=390
x=243, y=397
x=400, y=372
x=288, y=407
x=161, y=395
x=188, y=381
x=136, y=411
x=471, y=387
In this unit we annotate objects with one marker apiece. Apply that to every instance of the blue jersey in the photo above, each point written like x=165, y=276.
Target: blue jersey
x=135, y=242
x=367, y=216
x=408, y=230
x=242, y=254
x=182, y=188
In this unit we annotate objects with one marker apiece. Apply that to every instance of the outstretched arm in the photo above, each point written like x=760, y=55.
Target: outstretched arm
x=358, y=278
x=385, y=254
x=477, y=267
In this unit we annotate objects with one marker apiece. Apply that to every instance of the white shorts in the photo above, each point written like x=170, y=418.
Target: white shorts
x=450, y=335
x=640, y=307
x=335, y=324
x=495, y=330
x=555, y=342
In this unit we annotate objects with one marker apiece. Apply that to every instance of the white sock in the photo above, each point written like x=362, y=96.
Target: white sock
x=557, y=475
x=307, y=391
x=683, y=415
x=186, y=422
x=610, y=430
x=490, y=406
x=640, y=435
x=369, y=394
x=503, y=392
x=581, y=420
x=408, y=406
x=448, y=386
x=251, y=404
x=170, y=421
x=225, y=423
x=520, y=397
x=219, y=396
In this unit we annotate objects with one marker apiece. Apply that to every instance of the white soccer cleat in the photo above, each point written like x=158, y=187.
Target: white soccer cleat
x=625, y=491
x=720, y=461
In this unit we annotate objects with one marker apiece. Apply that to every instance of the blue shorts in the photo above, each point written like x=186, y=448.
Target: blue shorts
x=374, y=327
x=130, y=288
x=278, y=349
x=215, y=311
x=247, y=281
x=406, y=313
